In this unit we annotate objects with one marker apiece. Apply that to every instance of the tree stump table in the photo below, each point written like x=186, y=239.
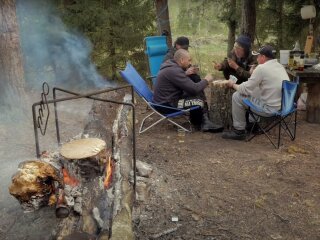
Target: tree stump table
x=221, y=103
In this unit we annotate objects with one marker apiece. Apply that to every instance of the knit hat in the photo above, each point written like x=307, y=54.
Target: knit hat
x=266, y=50
x=183, y=42
x=244, y=42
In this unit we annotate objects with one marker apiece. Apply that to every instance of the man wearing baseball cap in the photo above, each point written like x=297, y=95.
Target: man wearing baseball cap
x=181, y=42
x=263, y=88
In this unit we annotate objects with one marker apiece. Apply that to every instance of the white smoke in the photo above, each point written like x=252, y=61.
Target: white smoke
x=52, y=52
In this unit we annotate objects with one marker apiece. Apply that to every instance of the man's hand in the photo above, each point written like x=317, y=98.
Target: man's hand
x=217, y=66
x=233, y=64
x=252, y=67
x=192, y=70
x=208, y=77
x=231, y=84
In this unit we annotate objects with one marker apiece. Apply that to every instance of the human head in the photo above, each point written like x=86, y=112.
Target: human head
x=182, y=58
x=182, y=42
x=264, y=53
x=242, y=46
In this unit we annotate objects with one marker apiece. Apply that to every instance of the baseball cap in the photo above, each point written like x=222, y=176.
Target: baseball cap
x=183, y=42
x=266, y=50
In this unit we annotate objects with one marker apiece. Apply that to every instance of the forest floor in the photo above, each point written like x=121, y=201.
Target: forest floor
x=207, y=188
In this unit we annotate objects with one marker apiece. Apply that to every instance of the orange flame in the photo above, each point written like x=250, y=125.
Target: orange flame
x=68, y=179
x=108, y=179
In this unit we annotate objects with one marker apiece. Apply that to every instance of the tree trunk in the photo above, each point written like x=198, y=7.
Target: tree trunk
x=248, y=19
x=279, y=10
x=232, y=25
x=11, y=65
x=163, y=20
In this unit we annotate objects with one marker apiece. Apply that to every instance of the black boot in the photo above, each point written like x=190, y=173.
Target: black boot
x=208, y=126
x=235, y=134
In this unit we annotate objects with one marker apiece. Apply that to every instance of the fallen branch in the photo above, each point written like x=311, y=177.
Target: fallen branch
x=165, y=232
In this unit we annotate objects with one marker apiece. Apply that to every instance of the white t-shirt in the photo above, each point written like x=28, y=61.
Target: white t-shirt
x=267, y=79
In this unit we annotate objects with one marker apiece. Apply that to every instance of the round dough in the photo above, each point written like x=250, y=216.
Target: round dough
x=82, y=148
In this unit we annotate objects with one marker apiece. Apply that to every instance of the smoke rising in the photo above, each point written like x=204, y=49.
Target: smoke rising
x=52, y=52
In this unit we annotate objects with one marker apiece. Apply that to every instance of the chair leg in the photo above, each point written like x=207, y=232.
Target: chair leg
x=279, y=134
x=264, y=130
x=178, y=125
x=141, y=130
x=142, y=123
x=286, y=126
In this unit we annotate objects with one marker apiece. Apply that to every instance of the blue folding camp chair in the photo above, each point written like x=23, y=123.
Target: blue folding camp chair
x=285, y=118
x=156, y=49
x=141, y=88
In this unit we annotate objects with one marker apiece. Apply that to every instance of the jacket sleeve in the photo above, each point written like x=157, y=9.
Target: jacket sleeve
x=182, y=81
x=243, y=73
x=247, y=88
x=224, y=65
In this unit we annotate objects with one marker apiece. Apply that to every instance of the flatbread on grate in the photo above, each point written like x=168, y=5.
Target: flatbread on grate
x=82, y=148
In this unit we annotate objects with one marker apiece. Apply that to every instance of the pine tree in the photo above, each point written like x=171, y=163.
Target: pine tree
x=116, y=28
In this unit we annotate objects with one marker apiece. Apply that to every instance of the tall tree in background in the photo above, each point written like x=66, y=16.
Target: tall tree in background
x=116, y=28
x=163, y=20
x=248, y=18
x=228, y=14
x=279, y=11
x=11, y=66
x=279, y=22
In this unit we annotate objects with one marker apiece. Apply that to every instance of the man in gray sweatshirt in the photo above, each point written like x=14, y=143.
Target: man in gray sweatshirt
x=263, y=88
x=175, y=89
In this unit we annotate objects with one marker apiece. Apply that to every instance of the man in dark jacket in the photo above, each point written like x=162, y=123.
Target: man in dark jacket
x=174, y=88
x=240, y=61
x=183, y=43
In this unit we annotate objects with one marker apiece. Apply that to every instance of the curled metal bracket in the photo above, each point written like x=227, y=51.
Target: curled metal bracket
x=43, y=112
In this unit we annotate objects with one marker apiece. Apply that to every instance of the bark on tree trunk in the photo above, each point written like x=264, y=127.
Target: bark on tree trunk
x=248, y=19
x=279, y=10
x=163, y=20
x=11, y=65
x=232, y=25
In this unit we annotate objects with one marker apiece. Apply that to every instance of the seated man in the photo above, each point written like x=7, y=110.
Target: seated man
x=240, y=61
x=180, y=43
x=174, y=88
x=183, y=43
x=265, y=82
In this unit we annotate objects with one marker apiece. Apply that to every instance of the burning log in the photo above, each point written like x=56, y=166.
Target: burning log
x=109, y=170
x=34, y=184
x=62, y=210
x=88, y=155
x=68, y=179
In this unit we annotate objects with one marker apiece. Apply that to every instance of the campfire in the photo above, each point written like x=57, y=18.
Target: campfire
x=73, y=180
x=77, y=181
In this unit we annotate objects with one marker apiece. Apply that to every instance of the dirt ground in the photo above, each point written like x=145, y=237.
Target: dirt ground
x=210, y=188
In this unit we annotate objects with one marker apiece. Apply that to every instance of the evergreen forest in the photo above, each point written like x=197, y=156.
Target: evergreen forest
x=114, y=30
